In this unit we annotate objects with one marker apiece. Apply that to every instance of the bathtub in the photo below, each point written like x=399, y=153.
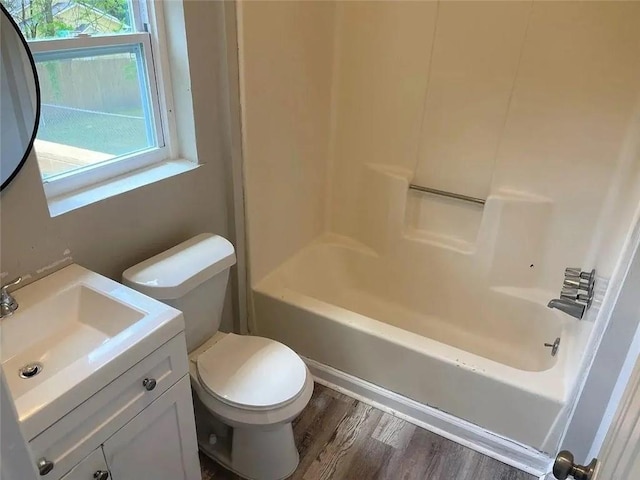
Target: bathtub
x=453, y=343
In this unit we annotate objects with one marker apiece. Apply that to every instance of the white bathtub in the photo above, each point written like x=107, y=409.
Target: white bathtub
x=453, y=343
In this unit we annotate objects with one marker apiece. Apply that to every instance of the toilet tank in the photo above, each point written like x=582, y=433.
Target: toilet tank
x=191, y=277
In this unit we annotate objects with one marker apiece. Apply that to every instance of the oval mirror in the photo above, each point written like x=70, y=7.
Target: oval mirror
x=19, y=100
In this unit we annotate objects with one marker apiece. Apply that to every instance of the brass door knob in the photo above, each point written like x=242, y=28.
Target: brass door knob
x=564, y=467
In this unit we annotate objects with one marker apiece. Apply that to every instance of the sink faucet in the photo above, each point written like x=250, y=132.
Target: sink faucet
x=570, y=307
x=8, y=304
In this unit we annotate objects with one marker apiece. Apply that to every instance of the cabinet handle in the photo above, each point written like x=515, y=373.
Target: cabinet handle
x=101, y=475
x=44, y=466
x=149, y=383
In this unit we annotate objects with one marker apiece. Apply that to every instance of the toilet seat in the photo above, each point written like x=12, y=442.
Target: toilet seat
x=251, y=373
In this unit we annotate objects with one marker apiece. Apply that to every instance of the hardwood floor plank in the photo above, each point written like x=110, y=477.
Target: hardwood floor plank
x=412, y=462
x=368, y=461
x=340, y=438
x=334, y=393
x=394, y=431
x=319, y=430
x=490, y=468
x=453, y=462
x=335, y=457
x=320, y=403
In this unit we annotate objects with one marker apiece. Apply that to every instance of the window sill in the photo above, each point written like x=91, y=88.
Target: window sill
x=68, y=202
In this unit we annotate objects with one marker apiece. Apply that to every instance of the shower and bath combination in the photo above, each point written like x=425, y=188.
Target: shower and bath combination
x=407, y=196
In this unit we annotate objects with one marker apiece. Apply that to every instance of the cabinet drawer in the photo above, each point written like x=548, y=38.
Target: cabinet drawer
x=85, y=428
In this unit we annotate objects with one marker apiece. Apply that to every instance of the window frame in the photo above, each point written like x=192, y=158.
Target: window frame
x=150, y=35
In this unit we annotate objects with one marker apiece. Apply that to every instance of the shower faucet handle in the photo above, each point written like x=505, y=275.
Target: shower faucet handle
x=569, y=293
x=571, y=282
x=584, y=298
x=588, y=275
x=572, y=272
x=576, y=278
x=576, y=282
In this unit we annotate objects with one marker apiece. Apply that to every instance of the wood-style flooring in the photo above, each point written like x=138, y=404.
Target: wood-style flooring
x=340, y=438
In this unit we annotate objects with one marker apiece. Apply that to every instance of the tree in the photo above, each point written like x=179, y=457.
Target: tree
x=37, y=18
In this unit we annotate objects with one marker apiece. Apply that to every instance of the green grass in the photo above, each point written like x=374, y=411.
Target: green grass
x=101, y=133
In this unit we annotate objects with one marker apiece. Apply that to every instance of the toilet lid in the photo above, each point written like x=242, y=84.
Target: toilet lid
x=251, y=372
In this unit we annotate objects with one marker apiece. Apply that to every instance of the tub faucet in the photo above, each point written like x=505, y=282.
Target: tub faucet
x=577, y=292
x=570, y=307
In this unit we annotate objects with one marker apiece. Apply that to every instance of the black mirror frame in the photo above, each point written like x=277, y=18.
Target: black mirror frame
x=38, y=99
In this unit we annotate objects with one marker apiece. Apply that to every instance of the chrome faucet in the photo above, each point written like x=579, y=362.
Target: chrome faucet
x=570, y=307
x=8, y=304
x=571, y=300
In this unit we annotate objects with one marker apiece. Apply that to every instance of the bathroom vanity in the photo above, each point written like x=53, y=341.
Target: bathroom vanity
x=111, y=396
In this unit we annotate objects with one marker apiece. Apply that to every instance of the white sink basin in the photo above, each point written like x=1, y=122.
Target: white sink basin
x=82, y=330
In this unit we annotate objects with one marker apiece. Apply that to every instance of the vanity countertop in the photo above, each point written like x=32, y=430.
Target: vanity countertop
x=80, y=331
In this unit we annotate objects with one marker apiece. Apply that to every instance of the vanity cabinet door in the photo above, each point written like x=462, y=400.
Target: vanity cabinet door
x=160, y=442
x=93, y=467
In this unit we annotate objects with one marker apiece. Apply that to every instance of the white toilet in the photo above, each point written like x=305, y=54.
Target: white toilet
x=247, y=389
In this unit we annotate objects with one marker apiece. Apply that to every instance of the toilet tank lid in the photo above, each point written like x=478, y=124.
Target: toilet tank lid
x=175, y=272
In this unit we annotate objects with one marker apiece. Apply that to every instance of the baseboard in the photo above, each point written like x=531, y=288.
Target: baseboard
x=460, y=431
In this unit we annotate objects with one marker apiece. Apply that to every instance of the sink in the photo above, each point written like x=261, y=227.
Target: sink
x=59, y=330
x=75, y=331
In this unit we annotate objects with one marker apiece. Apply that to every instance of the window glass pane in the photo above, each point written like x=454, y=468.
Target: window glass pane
x=40, y=19
x=95, y=107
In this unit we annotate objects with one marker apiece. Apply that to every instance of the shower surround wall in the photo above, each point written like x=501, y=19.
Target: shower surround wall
x=285, y=60
x=526, y=104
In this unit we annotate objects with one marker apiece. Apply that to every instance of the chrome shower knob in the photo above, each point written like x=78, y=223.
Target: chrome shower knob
x=576, y=278
x=569, y=293
x=576, y=282
x=571, y=282
x=588, y=275
x=584, y=298
x=589, y=278
x=571, y=272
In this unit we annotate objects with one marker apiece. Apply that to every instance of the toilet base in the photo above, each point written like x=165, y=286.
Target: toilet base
x=256, y=454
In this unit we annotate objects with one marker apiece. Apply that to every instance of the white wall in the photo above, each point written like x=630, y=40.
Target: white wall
x=286, y=56
x=573, y=101
x=382, y=63
x=475, y=60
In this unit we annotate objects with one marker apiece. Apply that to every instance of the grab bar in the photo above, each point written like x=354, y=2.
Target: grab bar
x=443, y=193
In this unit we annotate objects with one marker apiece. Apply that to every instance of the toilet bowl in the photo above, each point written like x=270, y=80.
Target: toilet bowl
x=247, y=389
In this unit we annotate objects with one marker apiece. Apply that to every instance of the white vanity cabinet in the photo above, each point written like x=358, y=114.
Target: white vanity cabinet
x=140, y=426
x=159, y=443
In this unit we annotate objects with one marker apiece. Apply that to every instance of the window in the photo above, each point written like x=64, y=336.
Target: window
x=100, y=110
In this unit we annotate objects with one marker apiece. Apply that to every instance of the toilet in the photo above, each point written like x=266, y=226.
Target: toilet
x=247, y=389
